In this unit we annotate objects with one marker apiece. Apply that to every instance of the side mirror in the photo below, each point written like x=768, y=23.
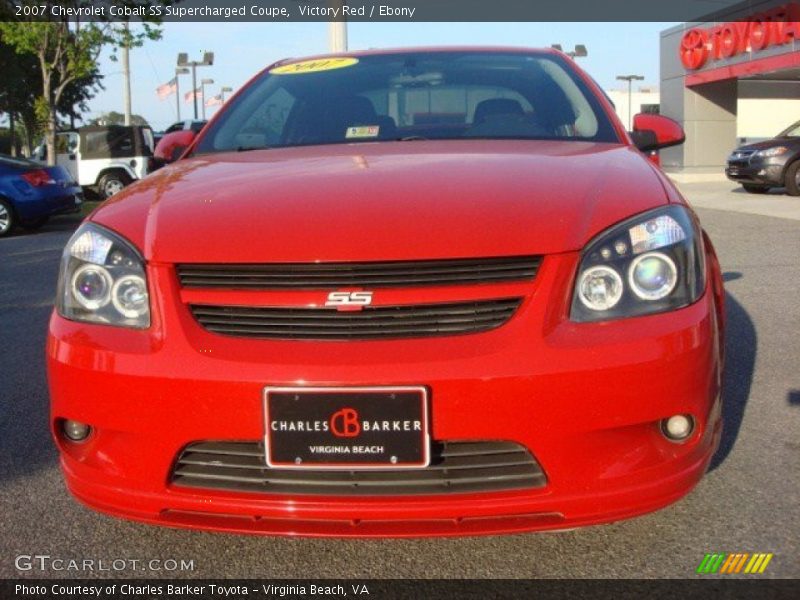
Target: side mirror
x=172, y=146
x=654, y=132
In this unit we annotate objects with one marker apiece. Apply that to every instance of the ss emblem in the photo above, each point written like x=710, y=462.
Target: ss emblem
x=349, y=300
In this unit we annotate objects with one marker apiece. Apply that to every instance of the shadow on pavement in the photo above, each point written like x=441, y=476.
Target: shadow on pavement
x=741, y=345
x=772, y=191
x=59, y=223
x=731, y=276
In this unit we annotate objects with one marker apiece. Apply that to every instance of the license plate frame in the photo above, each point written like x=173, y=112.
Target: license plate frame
x=367, y=400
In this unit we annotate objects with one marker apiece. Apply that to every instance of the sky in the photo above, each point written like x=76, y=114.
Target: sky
x=242, y=49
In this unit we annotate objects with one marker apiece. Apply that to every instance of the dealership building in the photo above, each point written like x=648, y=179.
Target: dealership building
x=736, y=76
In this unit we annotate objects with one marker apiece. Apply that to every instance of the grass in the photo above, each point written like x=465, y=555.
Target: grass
x=88, y=206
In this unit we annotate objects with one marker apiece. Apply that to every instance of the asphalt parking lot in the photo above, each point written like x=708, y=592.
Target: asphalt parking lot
x=748, y=502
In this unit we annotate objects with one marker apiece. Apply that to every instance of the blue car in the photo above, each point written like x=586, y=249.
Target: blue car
x=31, y=193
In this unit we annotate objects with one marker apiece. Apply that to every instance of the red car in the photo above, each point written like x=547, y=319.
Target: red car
x=393, y=293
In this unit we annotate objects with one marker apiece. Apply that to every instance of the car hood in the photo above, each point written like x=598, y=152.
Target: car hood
x=763, y=145
x=384, y=201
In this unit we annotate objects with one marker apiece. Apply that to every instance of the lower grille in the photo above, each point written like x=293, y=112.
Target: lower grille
x=456, y=467
x=418, y=320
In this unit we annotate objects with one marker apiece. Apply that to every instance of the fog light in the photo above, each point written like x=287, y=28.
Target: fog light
x=75, y=430
x=678, y=427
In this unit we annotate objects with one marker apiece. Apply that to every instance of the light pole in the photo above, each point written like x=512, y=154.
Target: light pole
x=126, y=73
x=630, y=79
x=183, y=61
x=179, y=71
x=337, y=29
x=203, y=84
x=222, y=91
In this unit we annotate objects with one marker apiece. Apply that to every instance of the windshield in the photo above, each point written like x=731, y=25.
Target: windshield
x=408, y=96
x=792, y=131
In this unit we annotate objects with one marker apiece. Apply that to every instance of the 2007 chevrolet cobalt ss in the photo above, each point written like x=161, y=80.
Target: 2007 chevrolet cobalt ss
x=393, y=293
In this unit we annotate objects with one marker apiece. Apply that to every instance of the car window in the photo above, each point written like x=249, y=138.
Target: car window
x=65, y=143
x=114, y=141
x=435, y=95
x=792, y=131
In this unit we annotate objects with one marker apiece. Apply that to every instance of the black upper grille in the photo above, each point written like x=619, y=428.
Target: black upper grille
x=455, y=467
x=372, y=322
x=358, y=274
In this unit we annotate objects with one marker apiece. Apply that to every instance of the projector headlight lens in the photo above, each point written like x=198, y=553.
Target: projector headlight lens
x=130, y=296
x=91, y=286
x=600, y=288
x=652, y=276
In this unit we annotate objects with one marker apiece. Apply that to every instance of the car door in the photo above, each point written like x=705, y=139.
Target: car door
x=67, y=153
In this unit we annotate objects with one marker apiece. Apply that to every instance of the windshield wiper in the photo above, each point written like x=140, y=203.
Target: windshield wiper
x=412, y=138
x=248, y=148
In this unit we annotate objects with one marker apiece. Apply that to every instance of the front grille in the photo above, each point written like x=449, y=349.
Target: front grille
x=373, y=322
x=358, y=274
x=456, y=467
x=741, y=155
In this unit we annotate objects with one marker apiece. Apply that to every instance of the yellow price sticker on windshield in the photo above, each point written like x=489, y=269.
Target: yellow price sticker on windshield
x=314, y=65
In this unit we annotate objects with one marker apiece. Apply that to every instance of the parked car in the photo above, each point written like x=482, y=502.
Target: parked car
x=337, y=314
x=104, y=158
x=30, y=194
x=190, y=126
x=768, y=164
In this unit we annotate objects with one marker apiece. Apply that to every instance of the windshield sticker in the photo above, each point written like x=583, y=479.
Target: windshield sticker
x=314, y=66
x=362, y=131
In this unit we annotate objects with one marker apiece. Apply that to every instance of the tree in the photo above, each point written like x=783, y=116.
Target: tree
x=74, y=100
x=21, y=85
x=67, y=51
x=115, y=118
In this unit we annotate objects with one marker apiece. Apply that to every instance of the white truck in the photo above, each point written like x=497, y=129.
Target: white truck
x=103, y=158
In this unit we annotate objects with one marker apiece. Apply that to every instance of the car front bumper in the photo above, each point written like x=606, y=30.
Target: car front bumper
x=585, y=399
x=757, y=171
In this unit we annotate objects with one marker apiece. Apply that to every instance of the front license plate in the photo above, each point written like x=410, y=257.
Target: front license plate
x=346, y=428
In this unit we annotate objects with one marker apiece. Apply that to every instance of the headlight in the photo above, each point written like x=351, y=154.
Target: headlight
x=102, y=280
x=648, y=264
x=776, y=151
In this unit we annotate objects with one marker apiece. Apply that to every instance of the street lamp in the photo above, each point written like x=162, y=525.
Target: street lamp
x=203, y=84
x=630, y=79
x=222, y=91
x=179, y=71
x=183, y=61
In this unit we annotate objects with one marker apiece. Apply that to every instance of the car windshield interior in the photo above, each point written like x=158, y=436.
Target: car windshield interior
x=412, y=96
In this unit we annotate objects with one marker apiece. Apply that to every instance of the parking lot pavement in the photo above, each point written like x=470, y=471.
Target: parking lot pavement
x=748, y=502
x=721, y=194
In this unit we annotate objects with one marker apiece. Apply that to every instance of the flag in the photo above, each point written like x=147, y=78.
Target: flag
x=215, y=101
x=196, y=93
x=167, y=89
